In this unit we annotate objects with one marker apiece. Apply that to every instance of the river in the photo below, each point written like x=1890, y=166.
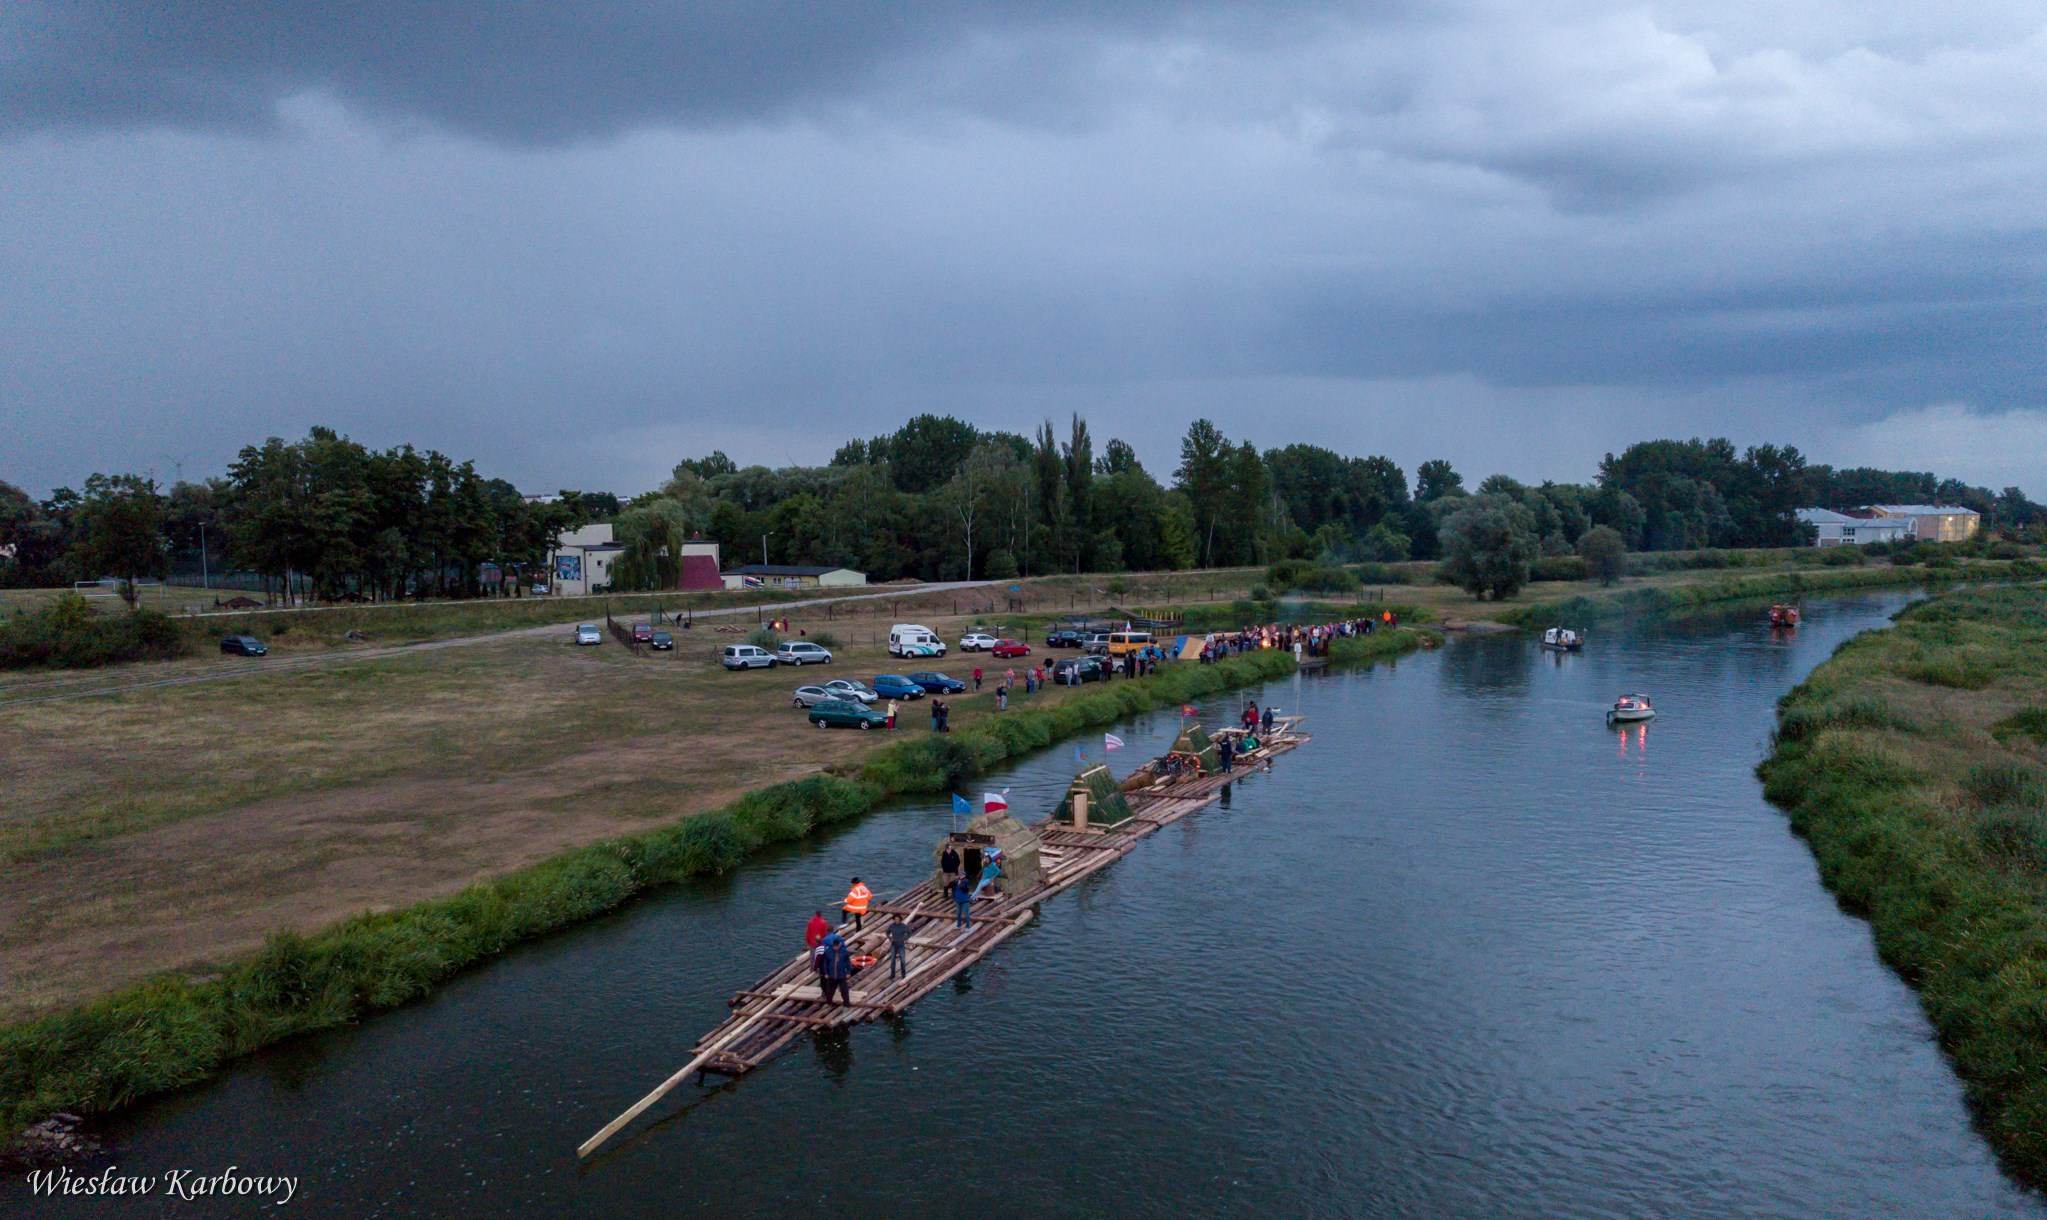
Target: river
x=1469, y=952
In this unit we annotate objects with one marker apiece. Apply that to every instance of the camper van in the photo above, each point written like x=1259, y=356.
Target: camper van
x=1123, y=643
x=914, y=640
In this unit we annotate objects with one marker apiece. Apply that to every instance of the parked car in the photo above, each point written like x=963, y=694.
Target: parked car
x=976, y=641
x=911, y=651
x=811, y=696
x=587, y=633
x=661, y=640
x=1072, y=671
x=643, y=633
x=1064, y=637
x=1098, y=644
x=1010, y=648
x=849, y=688
x=243, y=646
x=896, y=686
x=802, y=652
x=849, y=715
x=747, y=656
x=938, y=684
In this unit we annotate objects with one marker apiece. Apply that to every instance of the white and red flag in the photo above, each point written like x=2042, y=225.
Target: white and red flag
x=992, y=801
x=1111, y=742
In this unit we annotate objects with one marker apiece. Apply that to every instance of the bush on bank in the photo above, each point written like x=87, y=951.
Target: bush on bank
x=172, y=1031
x=1650, y=599
x=68, y=634
x=1934, y=828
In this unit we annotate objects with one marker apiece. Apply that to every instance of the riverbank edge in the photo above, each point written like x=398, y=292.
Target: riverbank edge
x=1900, y=838
x=1584, y=608
x=171, y=1031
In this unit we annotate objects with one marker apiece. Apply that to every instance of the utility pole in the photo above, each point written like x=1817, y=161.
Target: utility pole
x=764, y=548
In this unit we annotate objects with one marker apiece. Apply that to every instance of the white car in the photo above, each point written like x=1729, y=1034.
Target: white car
x=747, y=656
x=811, y=696
x=976, y=641
x=802, y=652
x=587, y=633
x=847, y=688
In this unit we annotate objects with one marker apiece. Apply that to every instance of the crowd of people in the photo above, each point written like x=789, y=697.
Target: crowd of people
x=1306, y=640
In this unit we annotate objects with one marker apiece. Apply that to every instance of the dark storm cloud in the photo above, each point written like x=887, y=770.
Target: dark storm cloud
x=580, y=241
x=544, y=72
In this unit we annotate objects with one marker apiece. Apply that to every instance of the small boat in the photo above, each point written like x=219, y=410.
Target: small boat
x=1629, y=708
x=1563, y=639
x=1782, y=615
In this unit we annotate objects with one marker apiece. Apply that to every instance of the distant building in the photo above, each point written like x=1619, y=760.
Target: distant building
x=582, y=560
x=1847, y=529
x=1934, y=522
x=792, y=576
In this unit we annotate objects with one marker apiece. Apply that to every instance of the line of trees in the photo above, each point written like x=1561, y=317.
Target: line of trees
x=936, y=499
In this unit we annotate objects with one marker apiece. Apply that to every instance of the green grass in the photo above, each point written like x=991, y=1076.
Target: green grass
x=1928, y=817
x=1660, y=599
x=171, y=1031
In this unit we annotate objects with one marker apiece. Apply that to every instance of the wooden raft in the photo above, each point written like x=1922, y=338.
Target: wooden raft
x=769, y=1015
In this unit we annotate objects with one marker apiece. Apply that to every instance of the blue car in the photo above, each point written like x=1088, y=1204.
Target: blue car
x=938, y=684
x=895, y=686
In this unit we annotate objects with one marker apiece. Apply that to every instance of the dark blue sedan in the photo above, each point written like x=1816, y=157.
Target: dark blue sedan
x=896, y=686
x=938, y=684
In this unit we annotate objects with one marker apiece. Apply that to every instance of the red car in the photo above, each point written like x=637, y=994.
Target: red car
x=1010, y=648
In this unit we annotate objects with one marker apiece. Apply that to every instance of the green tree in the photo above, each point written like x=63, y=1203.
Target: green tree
x=1080, y=483
x=1435, y=479
x=1203, y=476
x=1605, y=553
x=1384, y=544
x=1489, y=545
x=121, y=530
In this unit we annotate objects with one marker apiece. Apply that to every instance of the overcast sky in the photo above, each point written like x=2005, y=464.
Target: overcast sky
x=580, y=241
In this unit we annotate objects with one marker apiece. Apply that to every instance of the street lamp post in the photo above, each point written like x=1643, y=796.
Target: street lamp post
x=764, y=548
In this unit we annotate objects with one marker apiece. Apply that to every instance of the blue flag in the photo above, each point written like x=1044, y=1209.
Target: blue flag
x=961, y=804
x=1078, y=758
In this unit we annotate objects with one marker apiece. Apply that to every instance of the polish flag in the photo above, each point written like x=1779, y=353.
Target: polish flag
x=992, y=801
x=1111, y=742
x=1187, y=709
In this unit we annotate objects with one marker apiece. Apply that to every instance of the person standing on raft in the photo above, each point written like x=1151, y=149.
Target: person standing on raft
x=835, y=970
x=898, y=947
x=856, y=902
x=816, y=930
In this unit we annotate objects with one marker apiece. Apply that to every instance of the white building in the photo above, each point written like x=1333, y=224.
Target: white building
x=1841, y=529
x=1934, y=522
x=581, y=560
x=793, y=576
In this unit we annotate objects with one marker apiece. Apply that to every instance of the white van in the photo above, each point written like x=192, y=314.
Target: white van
x=914, y=640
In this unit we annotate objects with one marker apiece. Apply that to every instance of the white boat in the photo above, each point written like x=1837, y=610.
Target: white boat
x=1564, y=639
x=1629, y=708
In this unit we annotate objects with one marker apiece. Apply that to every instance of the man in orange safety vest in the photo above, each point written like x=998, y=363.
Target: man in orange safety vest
x=856, y=902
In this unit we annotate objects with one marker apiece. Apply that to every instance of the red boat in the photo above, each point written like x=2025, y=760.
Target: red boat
x=1783, y=616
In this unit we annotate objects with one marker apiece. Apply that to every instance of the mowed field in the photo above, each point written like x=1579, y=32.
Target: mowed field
x=175, y=826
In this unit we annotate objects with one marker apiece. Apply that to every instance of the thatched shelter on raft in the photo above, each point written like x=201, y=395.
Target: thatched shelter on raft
x=995, y=842
x=1106, y=806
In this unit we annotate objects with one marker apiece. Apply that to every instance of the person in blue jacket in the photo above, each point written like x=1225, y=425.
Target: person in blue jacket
x=835, y=969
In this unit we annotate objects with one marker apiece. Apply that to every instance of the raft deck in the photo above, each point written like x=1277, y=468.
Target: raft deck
x=787, y=1002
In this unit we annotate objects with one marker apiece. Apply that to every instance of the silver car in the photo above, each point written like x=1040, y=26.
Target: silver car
x=811, y=696
x=587, y=633
x=847, y=688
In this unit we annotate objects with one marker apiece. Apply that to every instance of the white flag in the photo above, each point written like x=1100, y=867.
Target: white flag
x=1111, y=742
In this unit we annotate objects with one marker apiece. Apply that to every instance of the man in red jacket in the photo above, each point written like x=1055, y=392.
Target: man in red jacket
x=815, y=931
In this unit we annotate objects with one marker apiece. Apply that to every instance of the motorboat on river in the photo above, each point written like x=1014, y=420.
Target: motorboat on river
x=1563, y=639
x=1629, y=708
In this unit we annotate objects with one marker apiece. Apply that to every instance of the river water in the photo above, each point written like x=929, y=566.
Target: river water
x=1469, y=952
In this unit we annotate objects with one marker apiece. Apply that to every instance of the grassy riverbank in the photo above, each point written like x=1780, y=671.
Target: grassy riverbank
x=1915, y=764
x=172, y=1030
x=1665, y=598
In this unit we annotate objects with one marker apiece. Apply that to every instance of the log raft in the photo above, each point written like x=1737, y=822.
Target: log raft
x=770, y=1014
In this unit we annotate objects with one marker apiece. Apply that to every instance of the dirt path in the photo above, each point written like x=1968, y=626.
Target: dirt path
x=104, y=682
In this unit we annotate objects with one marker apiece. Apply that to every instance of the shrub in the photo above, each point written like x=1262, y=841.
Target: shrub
x=825, y=639
x=2007, y=784
x=1559, y=567
x=1260, y=593
x=764, y=637
x=67, y=634
x=1309, y=577
x=1841, y=556
x=1605, y=553
x=2030, y=723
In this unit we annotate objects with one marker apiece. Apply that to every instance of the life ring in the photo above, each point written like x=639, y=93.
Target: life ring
x=862, y=961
